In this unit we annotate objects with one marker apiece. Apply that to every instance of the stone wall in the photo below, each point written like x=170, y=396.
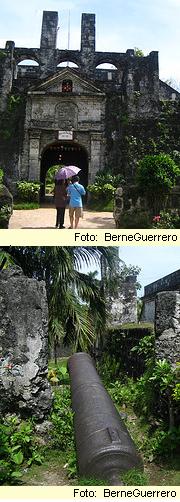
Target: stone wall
x=123, y=306
x=170, y=282
x=24, y=387
x=167, y=326
x=148, y=310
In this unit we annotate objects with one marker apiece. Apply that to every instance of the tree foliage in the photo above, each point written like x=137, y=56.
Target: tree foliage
x=156, y=176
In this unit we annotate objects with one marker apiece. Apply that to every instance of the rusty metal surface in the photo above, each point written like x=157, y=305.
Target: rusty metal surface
x=104, y=446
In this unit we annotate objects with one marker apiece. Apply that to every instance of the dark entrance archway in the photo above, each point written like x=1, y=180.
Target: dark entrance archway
x=66, y=153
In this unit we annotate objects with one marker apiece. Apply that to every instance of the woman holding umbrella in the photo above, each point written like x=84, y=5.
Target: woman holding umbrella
x=60, y=200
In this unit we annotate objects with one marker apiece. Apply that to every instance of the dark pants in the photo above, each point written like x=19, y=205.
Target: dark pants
x=60, y=216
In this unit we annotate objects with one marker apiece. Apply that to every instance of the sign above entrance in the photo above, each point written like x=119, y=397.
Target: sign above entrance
x=68, y=135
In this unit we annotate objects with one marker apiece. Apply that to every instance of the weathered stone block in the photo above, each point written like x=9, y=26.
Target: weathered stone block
x=24, y=387
x=167, y=326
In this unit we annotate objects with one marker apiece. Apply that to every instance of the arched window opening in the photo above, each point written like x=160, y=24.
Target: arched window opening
x=67, y=86
x=106, y=66
x=64, y=64
x=28, y=62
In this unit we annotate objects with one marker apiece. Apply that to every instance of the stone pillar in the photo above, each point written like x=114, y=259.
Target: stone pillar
x=49, y=30
x=47, y=59
x=167, y=326
x=123, y=306
x=88, y=32
x=96, y=156
x=24, y=387
x=87, y=42
x=34, y=161
x=7, y=78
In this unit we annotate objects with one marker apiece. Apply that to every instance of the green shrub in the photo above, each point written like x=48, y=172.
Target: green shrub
x=156, y=393
x=134, y=218
x=17, y=447
x=130, y=348
x=62, y=420
x=156, y=176
x=170, y=219
x=145, y=347
x=107, y=190
x=162, y=443
x=123, y=394
x=58, y=375
x=27, y=191
x=105, y=185
x=109, y=368
x=26, y=205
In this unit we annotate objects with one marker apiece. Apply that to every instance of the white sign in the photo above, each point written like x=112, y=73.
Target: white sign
x=68, y=135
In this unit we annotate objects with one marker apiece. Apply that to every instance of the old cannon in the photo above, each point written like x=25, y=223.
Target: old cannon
x=104, y=446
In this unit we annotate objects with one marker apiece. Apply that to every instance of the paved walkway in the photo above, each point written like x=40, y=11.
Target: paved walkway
x=45, y=218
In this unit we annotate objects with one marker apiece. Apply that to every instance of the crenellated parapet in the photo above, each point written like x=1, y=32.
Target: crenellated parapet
x=133, y=74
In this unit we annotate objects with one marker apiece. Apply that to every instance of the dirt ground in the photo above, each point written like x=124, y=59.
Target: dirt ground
x=46, y=217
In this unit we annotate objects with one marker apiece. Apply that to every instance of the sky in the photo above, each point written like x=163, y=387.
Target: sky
x=154, y=261
x=120, y=25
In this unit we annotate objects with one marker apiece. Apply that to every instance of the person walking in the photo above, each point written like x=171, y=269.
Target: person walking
x=75, y=191
x=60, y=200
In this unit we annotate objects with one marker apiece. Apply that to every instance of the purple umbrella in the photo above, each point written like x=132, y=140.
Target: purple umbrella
x=67, y=172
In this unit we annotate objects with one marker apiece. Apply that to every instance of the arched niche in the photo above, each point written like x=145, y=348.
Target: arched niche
x=64, y=64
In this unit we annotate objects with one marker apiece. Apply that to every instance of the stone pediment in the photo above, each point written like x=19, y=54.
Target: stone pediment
x=55, y=83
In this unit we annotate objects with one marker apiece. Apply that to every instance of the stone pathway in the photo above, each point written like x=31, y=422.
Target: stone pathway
x=45, y=218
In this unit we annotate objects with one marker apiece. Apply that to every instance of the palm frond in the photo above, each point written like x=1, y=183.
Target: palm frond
x=79, y=327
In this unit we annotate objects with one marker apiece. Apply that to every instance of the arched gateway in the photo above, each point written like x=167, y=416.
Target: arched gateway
x=63, y=120
x=63, y=153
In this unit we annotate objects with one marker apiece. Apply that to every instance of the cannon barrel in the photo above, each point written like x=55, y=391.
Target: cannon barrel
x=104, y=446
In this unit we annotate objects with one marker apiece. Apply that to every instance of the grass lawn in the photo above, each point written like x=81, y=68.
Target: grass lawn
x=134, y=325
x=62, y=361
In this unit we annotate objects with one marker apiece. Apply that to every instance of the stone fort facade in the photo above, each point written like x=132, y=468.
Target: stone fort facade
x=74, y=115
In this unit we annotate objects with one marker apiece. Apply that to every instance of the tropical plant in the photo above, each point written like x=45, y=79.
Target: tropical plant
x=105, y=185
x=156, y=176
x=138, y=52
x=62, y=420
x=27, y=191
x=157, y=392
x=17, y=447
